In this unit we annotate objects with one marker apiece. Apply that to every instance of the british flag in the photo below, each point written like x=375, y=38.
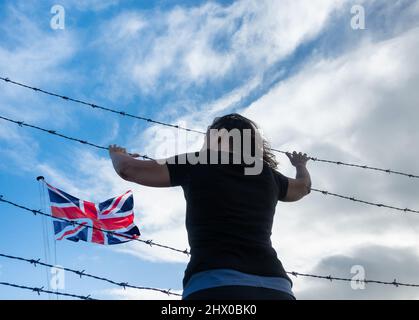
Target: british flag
x=108, y=222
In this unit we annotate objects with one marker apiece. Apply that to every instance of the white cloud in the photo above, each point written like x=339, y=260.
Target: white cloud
x=91, y=5
x=17, y=151
x=168, y=141
x=403, y=259
x=134, y=294
x=223, y=104
x=335, y=103
x=333, y=95
x=190, y=46
x=33, y=55
x=124, y=27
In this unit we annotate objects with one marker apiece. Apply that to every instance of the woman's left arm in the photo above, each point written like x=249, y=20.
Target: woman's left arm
x=299, y=187
x=148, y=173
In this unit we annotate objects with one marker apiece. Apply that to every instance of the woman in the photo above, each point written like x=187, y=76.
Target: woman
x=229, y=214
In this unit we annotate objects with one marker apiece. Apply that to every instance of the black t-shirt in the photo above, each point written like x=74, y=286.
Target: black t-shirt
x=229, y=216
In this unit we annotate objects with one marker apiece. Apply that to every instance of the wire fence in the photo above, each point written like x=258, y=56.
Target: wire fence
x=42, y=290
x=380, y=205
x=346, y=164
x=99, y=107
x=355, y=280
x=75, y=223
x=125, y=285
x=83, y=273
x=150, y=120
x=53, y=132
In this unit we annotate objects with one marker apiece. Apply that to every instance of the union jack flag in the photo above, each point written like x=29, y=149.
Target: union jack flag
x=114, y=215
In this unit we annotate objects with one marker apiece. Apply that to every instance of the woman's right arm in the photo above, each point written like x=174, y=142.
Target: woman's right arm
x=148, y=173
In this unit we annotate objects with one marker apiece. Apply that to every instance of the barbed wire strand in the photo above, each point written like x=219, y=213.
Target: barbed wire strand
x=35, y=212
x=122, y=113
x=53, y=132
x=99, y=107
x=125, y=285
x=82, y=273
x=185, y=252
x=41, y=289
x=150, y=120
x=365, y=281
x=340, y=163
x=380, y=205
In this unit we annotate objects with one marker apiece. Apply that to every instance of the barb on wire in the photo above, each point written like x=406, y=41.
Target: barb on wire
x=82, y=273
x=42, y=290
x=96, y=106
x=340, y=163
x=2, y=199
x=55, y=133
x=149, y=242
x=380, y=205
x=366, y=281
x=125, y=284
x=149, y=120
x=169, y=292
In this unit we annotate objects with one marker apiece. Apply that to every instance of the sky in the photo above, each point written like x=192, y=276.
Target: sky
x=298, y=68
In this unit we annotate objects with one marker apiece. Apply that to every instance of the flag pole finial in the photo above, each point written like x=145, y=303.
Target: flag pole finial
x=40, y=178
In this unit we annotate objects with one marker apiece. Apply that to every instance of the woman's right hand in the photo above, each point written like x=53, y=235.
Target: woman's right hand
x=144, y=172
x=115, y=149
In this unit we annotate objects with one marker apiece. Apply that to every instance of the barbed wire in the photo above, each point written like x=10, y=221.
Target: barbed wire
x=127, y=285
x=150, y=242
x=380, y=205
x=41, y=289
x=35, y=212
x=365, y=281
x=55, y=133
x=82, y=273
x=340, y=163
x=99, y=107
x=150, y=120
x=21, y=123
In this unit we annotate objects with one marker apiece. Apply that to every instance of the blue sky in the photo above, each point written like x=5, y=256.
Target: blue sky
x=296, y=67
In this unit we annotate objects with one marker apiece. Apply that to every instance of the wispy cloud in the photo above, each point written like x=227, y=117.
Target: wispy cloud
x=34, y=55
x=210, y=58
x=335, y=95
x=187, y=47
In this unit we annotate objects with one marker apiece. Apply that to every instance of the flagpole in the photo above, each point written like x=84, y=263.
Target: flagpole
x=45, y=227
